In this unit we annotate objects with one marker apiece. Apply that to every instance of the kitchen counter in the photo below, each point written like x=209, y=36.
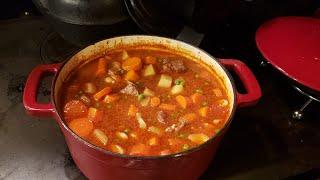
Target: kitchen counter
x=263, y=142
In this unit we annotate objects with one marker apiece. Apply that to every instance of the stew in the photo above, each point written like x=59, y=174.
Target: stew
x=144, y=102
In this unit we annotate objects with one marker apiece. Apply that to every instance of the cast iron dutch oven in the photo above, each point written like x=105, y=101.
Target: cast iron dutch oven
x=97, y=163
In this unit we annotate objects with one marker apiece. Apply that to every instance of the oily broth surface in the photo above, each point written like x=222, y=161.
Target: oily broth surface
x=116, y=117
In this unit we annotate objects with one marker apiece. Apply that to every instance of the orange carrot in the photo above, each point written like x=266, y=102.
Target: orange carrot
x=132, y=110
x=139, y=150
x=197, y=98
x=182, y=101
x=101, y=69
x=132, y=63
x=82, y=127
x=131, y=76
x=155, y=101
x=94, y=115
x=154, y=141
x=102, y=93
x=203, y=111
x=75, y=109
x=168, y=107
x=110, y=98
x=150, y=60
x=189, y=117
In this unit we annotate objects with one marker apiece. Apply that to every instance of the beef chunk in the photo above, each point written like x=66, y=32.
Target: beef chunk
x=176, y=127
x=115, y=69
x=174, y=65
x=130, y=89
x=161, y=116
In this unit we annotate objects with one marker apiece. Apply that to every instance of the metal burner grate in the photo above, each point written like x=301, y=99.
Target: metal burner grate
x=298, y=114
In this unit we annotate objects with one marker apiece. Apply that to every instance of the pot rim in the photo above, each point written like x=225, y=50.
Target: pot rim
x=175, y=155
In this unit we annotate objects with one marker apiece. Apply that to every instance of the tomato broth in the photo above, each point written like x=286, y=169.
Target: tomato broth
x=144, y=102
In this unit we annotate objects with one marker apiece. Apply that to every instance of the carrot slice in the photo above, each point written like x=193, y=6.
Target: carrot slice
x=131, y=76
x=102, y=93
x=110, y=98
x=132, y=63
x=101, y=69
x=75, y=109
x=95, y=115
x=82, y=127
x=182, y=101
x=189, y=117
x=168, y=107
x=150, y=60
x=132, y=110
x=140, y=150
x=155, y=101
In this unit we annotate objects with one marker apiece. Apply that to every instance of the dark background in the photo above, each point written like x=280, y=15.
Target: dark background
x=208, y=11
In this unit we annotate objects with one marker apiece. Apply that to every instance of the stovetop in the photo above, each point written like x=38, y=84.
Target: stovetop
x=263, y=142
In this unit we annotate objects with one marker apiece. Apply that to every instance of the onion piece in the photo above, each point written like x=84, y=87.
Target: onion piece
x=145, y=102
x=89, y=88
x=149, y=70
x=141, y=122
x=101, y=136
x=117, y=149
x=155, y=130
x=124, y=55
x=177, y=89
x=122, y=135
x=148, y=92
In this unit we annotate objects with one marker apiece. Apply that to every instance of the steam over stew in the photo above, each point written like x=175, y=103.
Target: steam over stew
x=144, y=102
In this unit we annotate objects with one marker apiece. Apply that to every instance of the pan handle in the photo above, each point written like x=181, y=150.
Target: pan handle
x=30, y=103
x=248, y=79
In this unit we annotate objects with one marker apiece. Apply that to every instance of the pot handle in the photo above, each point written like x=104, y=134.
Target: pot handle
x=30, y=103
x=248, y=79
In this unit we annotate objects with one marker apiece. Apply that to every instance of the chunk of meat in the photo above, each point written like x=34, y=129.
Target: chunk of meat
x=115, y=69
x=82, y=127
x=176, y=127
x=174, y=65
x=130, y=89
x=114, y=72
x=161, y=117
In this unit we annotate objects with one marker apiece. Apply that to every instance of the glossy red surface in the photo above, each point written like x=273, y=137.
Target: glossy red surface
x=292, y=45
x=30, y=91
x=98, y=164
x=248, y=79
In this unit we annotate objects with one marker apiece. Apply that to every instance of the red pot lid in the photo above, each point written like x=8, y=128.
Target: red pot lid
x=292, y=45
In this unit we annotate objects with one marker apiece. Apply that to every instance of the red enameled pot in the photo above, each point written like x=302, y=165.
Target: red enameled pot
x=97, y=163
